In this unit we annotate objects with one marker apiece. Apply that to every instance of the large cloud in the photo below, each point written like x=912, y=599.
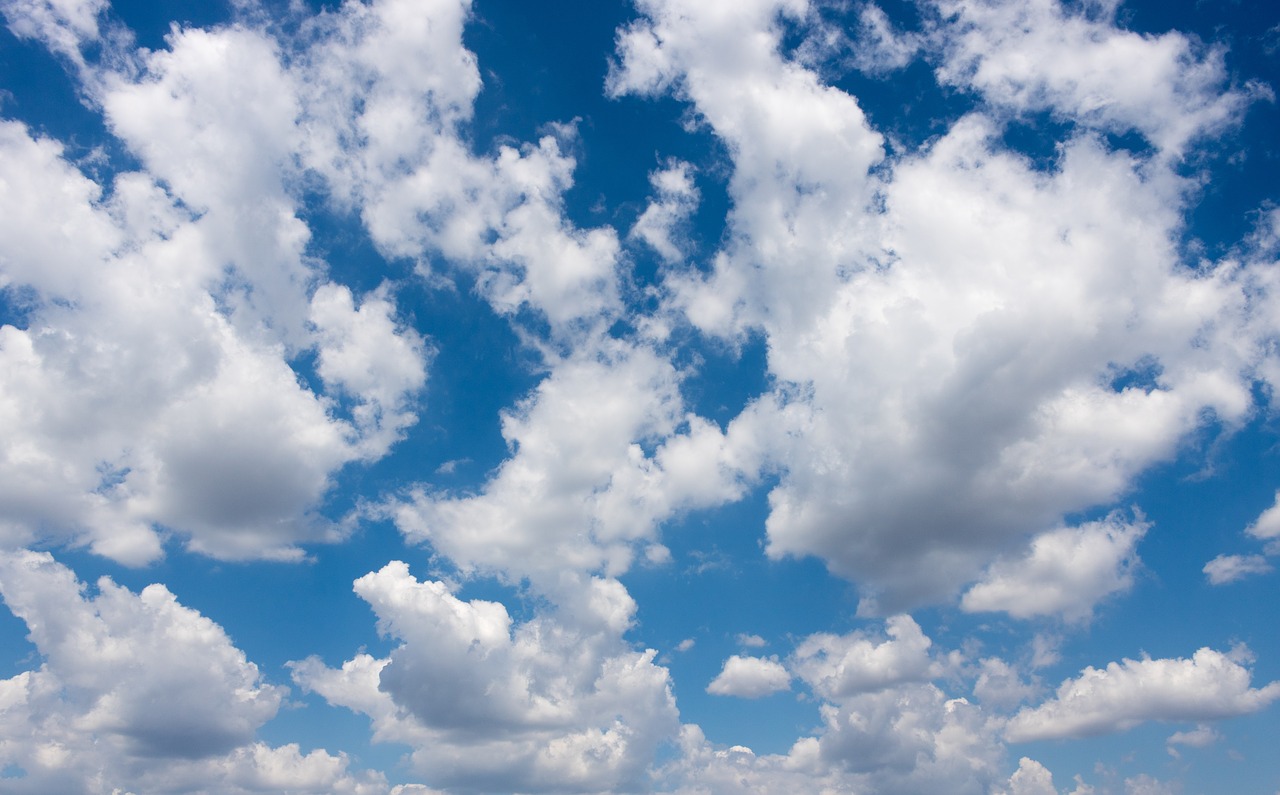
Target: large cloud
x=1208, y=685
x=993, y=346
x=138, y=691
x=487, y=704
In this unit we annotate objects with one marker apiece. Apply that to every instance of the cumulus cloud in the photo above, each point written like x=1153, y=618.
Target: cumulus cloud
x=1209, y=685
x=172, y=316
x=1082, y=66
x=557, y=703
x=1066, y=572
x=750, y=677
x=968, y=348
x=839, y=666
x=138, y=691
x=1230, y=568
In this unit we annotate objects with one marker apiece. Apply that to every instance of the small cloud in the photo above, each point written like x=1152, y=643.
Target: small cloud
x=750, y=677
x=1229, y=568
x=1201, y=737
x=751, y=641
x=449, y=467
x=685, y=645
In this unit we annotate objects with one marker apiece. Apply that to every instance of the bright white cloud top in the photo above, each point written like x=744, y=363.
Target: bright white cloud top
x=768, y=396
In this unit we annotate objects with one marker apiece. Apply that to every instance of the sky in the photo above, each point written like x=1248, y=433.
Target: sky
x=405, y=397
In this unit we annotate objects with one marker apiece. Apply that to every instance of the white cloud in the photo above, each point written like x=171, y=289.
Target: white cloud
x=579, y=491
x=840, y=666
x=751, y=641
x=170, y=315
x=1031, y=778
x=1267, y=525
x=750, y=677
x=63, y=25
x=967, y=348
x=1066, y=572
x=1230, y=568
x=1038, y=55
x=136, y=690
x=1200, y=737
x=553, y=703
x=1206, y=686
x=908, y=739
x=660, y=225
x=364, y=354
x=999, y=685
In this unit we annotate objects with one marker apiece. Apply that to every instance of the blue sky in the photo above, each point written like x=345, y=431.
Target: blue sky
x=768, y=396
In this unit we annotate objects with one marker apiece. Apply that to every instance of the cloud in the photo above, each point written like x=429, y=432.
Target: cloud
x=1031, y=778
x=840, y=666
x=751, y=641
x=580, y=491
x=557, y=703
x=1206, y=686
x=750, y=677
x=1066, y=572
x=1230, y=568
x=1200, y=737
x=659, y=226
x=136, y=690
x=1079, y=64
x=1014, y=344
x=1267, y=525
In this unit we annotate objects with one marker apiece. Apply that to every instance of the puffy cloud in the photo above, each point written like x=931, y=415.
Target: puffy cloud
x=840, y=666
x=363, y=353
x=1207, y=686
x=1267, y=525
x=1229, y=568
x=1031, y=778
x=487, y=704
x=171, y=316
x=1200, y=737
x=63, y=25
x=751, y=641
x=1030, y=56
x=659, y=225
x=750, y=677
x=902, y=740
x=136, y=690
x=967, y=348
x=580, y=490
x=999, y=685
x=1066, y=572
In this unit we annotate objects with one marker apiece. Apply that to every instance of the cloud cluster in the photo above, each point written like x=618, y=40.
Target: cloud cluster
x=556, y=703
x=975, y=347
x=137, y=691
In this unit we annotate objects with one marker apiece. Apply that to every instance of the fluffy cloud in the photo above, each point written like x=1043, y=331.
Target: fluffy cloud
x=1066, y=572
x=1030, y=56
x=1206, y=686
x=580, y=490
x=136, y=690
x=1031, y=778
x=487, y=704
x=1229, y=568
x=750, y=677
x=839, y=666
x=968, y=348
x=170, y=308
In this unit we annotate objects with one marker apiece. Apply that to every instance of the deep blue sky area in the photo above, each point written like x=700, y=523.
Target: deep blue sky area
x=369, y=429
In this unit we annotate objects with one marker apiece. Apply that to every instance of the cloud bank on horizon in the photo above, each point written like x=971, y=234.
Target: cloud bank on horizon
x=831, y=397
